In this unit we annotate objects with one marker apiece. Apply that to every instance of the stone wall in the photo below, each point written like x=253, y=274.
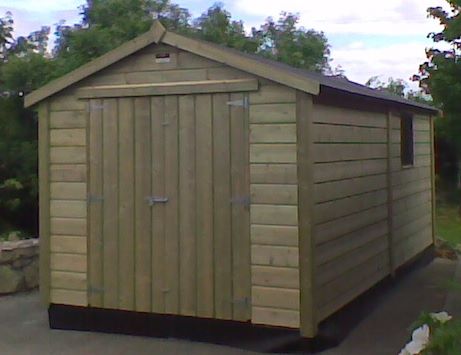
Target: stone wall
x=18, y=266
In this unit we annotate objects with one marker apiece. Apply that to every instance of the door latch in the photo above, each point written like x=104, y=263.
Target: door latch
x=152, y=200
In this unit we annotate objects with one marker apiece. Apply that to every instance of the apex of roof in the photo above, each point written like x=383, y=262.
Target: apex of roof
x=299, y=79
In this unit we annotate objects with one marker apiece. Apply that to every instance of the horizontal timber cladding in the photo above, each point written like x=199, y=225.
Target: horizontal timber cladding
x=411, y=192
x=68, y=200
x=274, y=211
x=350, y=210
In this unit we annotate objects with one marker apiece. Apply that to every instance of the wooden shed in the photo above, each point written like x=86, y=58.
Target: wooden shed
x=179, y=177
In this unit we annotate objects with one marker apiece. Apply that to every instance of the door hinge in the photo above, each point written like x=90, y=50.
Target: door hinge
x=95, y=199
x=241, y=200
x=240, y=103
x=152, y=200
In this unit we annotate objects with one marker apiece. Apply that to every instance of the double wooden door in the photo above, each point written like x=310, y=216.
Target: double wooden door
x=169, y=205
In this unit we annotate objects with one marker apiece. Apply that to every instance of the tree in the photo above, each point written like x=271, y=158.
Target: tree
x=440, y=75
x=285, y=42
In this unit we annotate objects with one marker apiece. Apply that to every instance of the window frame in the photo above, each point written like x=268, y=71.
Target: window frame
x=407, y=141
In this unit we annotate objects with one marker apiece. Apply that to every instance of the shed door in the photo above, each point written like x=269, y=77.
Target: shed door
x=169, y=205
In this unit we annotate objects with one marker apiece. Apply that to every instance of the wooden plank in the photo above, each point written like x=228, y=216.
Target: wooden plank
x=410, y=175
x=409, y=215
x=274, y=235
x=270, y=276
x=94, y=66
x=275, y=256
x=68, y=280
x=411, y=201
x=67, y=119
x=340, y=152
x=273, y=94
x=350, y=295
x=144, y=62
x=352, y=278
x=67, y=155
x=273, y=153
x=348, y=242
x=331, y=230
x=69, y=297
x=412, y=227
x=279, y=298
x=276, y=317
x=68, y=226
x=274, y=194
x=247, y=64
x=325, y=172
x=65, y=208
x=337, y=267
x=273, y=113
x=68, y=262
x=171, y=209
x=335, y=190
x=188, y=60
x=65, y=102
x=327, y=133
x=240, y=181
x=307, y=213
x=401, y=191
x=204, y=181
x=159, y=263
x=390, y=201
x=222, y=215
x=69, y=137
x=95, y=210
x=68, y=244
x=328, y=211
x=225, y=72
x=68, y=190
x=44, y=200
x=173, y=86
x=273, y=133
x=143, y=184
x=187, y=215
x=274, y=215
x=273, y=174
x=166, y=76
x=410, y=248
x=68, y=173
x=110, y=210
x=126, y=204
x=433, y=180
x=341, y=116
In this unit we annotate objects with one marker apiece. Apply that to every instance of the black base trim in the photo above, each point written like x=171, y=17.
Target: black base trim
x=231, y=333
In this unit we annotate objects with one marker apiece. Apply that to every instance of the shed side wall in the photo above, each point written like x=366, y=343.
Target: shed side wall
x=350, y=211
x=68, y=207
x=411, y=192
x=274, y=198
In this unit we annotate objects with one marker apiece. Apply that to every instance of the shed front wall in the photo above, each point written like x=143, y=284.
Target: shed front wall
x=271, y=148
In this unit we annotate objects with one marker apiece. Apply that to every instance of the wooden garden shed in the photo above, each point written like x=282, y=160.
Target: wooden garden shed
x=179, y=177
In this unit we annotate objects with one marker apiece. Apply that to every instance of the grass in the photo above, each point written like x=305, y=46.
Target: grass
x=449, y=223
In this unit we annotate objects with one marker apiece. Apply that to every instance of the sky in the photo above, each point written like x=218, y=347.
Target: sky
x=368, y=38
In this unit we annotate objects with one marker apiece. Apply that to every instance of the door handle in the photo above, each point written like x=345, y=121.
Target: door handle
x=152, y=200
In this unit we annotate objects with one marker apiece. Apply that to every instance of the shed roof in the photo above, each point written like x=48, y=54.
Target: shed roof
x=300, y=79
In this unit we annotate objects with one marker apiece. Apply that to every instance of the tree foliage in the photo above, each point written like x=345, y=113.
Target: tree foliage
x=440, y=75
x=26, y=64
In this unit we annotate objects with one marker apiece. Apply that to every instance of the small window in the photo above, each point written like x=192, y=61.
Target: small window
x=406, y=140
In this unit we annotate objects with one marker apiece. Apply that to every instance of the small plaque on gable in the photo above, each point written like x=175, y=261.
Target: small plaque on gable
x=162, y=58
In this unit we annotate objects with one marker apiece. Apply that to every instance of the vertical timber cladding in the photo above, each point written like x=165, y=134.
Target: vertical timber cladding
x=67, y=204
x=169, y=220
x=274, y=207
x=412, y=191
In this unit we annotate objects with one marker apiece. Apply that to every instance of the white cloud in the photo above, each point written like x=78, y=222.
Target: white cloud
x=391, y=17
x=397, y=61
x=42, y=6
